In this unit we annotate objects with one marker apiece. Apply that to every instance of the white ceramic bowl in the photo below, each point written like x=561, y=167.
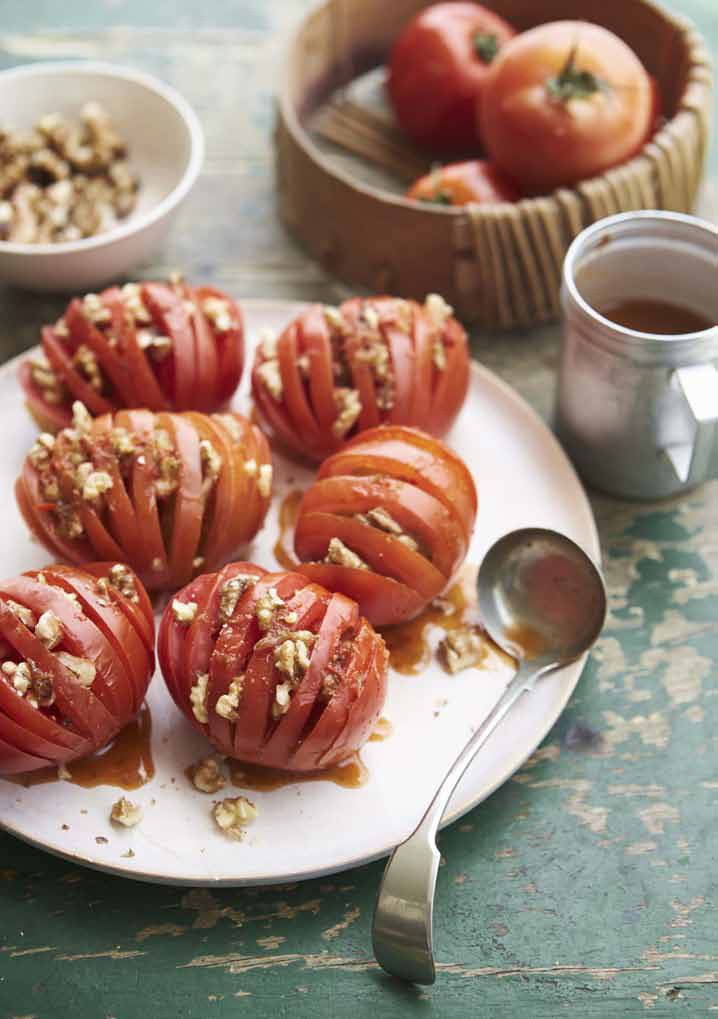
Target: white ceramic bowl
x=166, y=148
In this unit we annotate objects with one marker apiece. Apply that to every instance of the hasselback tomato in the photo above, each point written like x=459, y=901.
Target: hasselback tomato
x=163, y=346
x=273, y=669
x=475, y=181
x=76, y=658
x=335, y=372
x=170, y=494
x=387, y=522
x=437, y=70
x=565, y=101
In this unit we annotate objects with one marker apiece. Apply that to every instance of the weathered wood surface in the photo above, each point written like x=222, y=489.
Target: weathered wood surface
x=586, y=885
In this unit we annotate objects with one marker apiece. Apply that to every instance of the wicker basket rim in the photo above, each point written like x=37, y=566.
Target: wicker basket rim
x=699, y=62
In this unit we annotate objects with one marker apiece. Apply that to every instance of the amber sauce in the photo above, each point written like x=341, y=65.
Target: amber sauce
x=284, y=545
x=410, y=649
x=530, y=641
x=647, y=315
x=352, y=774
x=126, y=763
x=382, y=730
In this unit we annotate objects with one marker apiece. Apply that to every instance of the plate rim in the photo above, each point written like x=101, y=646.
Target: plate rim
x=573, y=671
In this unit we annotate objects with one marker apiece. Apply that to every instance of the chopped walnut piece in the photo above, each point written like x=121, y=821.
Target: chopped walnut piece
x=211, y=460
x=264, y=480
x=82, y=668
x=184, y=611
x=81, y=418
x=334, y=318
x=126, y=813
x=291, y=656
x=379, y=518
x=198, y=697
x=122, y=442
x=49, y=630
x=282, y=699
x=41, y=450
x=95, y=310
x=348, y=410
x=266, y=607
x=437, y=310
x=86, y=361
x=217, y=311
x=132, y=300
x=167, y=466
x=370, y=315
x=44, y=377
x=462, y=649
x=26, y=616
x=340, y=555
x=207, y=776
x=228, y=704
x=122, y=578
x=21, y=677
x=231, y=815
x=232, y=591
x=250, y=467
x=95, y=484
x=232, y=425
x=271, y=377
x=268, y=341
x=154, y=343
x=68, y=520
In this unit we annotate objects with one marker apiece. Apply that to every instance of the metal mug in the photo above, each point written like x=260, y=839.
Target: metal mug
x=637, y=412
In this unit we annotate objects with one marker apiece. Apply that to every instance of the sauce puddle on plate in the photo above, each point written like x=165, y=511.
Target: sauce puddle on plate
x=126, y=763
x=352, y=774
x=409, y=644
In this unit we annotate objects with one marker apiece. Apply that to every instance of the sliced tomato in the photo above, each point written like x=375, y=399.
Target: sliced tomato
x=381, y=599
x=62, y=366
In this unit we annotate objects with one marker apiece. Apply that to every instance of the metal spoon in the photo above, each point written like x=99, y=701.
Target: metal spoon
x=543, y=601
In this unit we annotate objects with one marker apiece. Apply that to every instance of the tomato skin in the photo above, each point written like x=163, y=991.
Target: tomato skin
x=436, y=74
x=401, y=362
x=411, y=549
x=99, y=624
x=544, y=141
x=333, y=699
x=199, y=370
x=179, y=492
x=475, y=181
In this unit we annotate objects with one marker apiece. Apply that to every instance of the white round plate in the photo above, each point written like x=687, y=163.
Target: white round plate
x=313, y=828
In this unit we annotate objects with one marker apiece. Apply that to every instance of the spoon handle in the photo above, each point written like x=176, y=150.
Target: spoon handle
x=523, y=681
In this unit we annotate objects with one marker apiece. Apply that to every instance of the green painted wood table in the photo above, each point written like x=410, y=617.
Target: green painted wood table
x=587, y=884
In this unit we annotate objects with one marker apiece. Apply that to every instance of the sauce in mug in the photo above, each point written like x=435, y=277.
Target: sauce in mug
x=646, y=315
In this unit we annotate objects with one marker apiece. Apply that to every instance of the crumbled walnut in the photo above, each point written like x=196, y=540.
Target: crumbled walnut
x=264, y=481
x=217, y=311
x=231, y=815
x=438, y=353
x=167, y=466
x=85, y=361
x=95, y=310
x=41, y=450
x=43, y=690
x=437, y=310
x=184, y=611
x=334, y=318
x=49, y=630
x=227, y=705
x=82, y=668
x=271, y=377
x=156, y=565
x=232, y=591
x=21, y=677
x=132, y=300
x=268, y=341
x=126, y=813
x=81, y=418
x=122, y=442
x=154, y=343
x=211, y=460
x=304, y=365
x=266, y=607
x=340, y=555
x=8, y=668
x=462, y=649
x=198, y=697
x=95, y=484
x=68, y=520
x=291, y=656
x=122, y=578
x=198, y=562
x=232, y=425
x=26, y=616
x=60, y=328
x=250, y=467
x=44, y=377
x=379, y=518
x=282, y=700
x=207, y=776
x=348, y=410
x=370, y=315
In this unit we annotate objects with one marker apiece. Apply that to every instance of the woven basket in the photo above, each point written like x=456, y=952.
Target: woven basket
x=501, y=264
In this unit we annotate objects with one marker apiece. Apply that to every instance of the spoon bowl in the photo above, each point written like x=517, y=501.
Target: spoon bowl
x=543, y=601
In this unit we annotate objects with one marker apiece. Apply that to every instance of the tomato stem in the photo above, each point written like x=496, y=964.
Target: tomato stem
x=573, y=83
x=486, y=46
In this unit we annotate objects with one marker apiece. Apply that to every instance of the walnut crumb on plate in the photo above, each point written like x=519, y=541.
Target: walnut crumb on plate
x=231, y=816
x=207, y=776
x=126, y=813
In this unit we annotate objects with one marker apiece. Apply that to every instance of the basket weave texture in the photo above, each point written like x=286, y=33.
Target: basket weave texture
x=498, y=265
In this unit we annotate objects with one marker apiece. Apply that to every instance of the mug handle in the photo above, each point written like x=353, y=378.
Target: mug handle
x=698, y=384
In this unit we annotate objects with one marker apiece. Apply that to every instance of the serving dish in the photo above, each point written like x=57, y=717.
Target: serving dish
x=498, y=264
x=166, y=150
x=310, y=828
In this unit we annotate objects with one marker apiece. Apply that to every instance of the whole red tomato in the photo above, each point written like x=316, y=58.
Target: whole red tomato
x=387, y=522
x=475, y=181
x=335, y=372
x=76, y=658
x=437, y=71
x=170, y=494
x=161, y=346
x=273, y=669
x=563, y=102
